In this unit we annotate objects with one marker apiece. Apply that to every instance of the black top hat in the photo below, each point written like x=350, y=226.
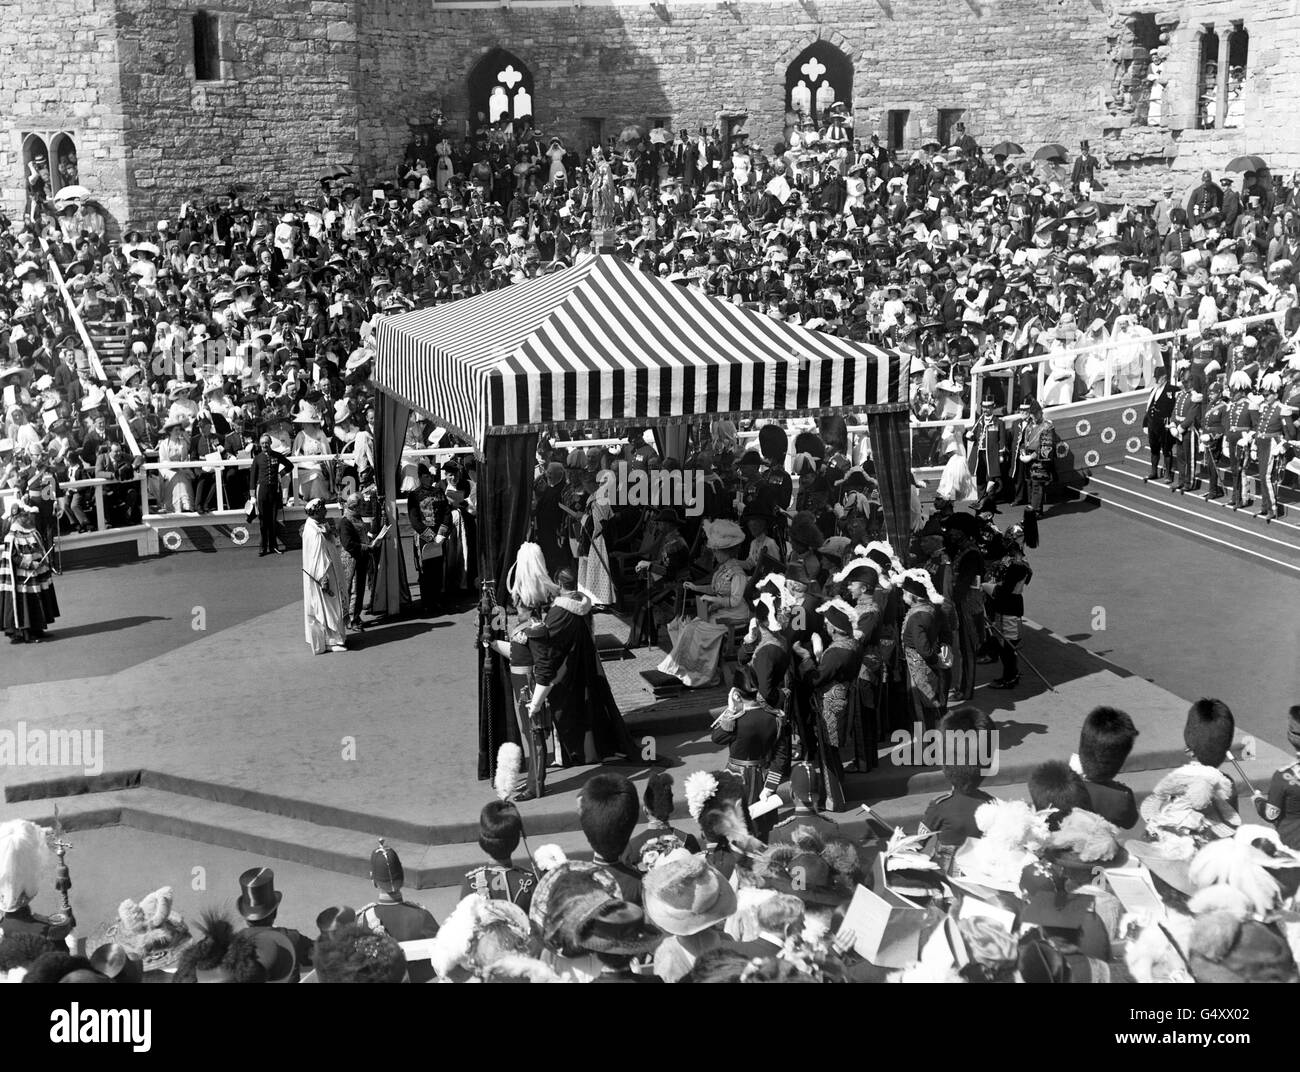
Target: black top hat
x=668, y=516
x=259, y=898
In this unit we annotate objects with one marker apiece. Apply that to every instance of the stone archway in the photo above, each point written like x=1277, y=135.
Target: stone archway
x=819, y=76
x=501, y=87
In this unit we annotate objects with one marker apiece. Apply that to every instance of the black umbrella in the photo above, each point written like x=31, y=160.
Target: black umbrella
x=1054, y=153
x=336, y=173
x=1247, y=163
x=1007, y=148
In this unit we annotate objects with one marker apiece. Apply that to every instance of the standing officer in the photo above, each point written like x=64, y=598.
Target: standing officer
x=268, y=464
x=1184, y=426
x=1273, y=425
x=1213, y=430
x=1240, y=428
x=391, y=914
x=985, y=456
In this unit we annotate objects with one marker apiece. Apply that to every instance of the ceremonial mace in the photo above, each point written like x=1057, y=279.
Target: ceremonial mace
x=63, y=882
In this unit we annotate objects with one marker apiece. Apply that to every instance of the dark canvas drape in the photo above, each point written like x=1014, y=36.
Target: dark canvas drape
x=391, y=416
x=891, y=449
x=505, y=495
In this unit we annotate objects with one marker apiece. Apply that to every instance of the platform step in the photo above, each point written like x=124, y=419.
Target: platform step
x=347, y=851
x=1123, y=487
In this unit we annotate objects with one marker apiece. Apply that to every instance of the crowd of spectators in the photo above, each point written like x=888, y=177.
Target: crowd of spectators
x=1075, y=884
x=242, y=317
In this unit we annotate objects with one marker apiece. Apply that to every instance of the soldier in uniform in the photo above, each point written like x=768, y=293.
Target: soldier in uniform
x=24, y=857
x=1214, y=428
x=985, y=455
x=1281, y=806
x=952, y=815
x=500, y=829
x=757, y=736
x=1240, y=427
x=392, y=914
x=1185, y=426
x=805, y=791
x=1034, y=456
x=1273, y=424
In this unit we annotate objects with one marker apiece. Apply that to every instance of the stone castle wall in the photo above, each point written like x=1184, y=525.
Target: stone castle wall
x=283, y=111
x=59, y=73
x=1030, y=70
x=310, y=84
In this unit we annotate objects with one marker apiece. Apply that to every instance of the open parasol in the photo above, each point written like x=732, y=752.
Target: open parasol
x=630, y=133
x=1247, y=163
x=931, y=146
x=1055, y=153
x=661, y=136
x=1007, y=148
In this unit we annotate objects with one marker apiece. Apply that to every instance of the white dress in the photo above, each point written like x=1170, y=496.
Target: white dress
x=593, y=568
x=321, y=564
x=1058, y=387
x=313, y=483
x=178, y=484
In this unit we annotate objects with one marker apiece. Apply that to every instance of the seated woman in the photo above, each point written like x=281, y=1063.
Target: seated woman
x=723, y=598
x=698, y=647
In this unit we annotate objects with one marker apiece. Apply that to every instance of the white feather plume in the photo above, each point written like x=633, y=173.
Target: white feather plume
x=699, y=787
x=548, y=857
x=510, y=758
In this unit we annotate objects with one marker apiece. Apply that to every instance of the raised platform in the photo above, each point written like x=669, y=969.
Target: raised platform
x=241, y=739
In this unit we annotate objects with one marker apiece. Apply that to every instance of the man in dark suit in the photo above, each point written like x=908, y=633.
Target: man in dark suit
x=1085, y=167
x=1160, y=405
x=268, y=464
x=259, y=903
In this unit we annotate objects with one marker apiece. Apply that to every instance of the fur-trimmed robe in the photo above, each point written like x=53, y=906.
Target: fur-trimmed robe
x=580, y=696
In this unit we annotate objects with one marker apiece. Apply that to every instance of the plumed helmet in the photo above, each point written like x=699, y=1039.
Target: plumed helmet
x=386, y=869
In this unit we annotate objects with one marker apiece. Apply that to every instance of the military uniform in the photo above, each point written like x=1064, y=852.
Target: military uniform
x=1184, y=425
x=497, y=882
x=402, y=920
x=1273, y=424
x=1213, y=430
x=952, y=816
x=783, y=832
x=1282, y=805
x=1240, y=425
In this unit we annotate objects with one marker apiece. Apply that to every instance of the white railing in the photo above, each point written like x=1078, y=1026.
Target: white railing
x=92, y=356
x=151, y=478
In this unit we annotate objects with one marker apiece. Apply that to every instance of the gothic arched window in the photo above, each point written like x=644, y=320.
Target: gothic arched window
x=500, y=87
x=819, y=76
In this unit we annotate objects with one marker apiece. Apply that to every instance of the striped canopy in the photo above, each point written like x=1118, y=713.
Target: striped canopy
x=602, y=342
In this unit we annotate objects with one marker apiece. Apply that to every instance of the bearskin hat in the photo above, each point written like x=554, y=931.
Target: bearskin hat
x=1209, y=730
x=810, y=443
x=1104, y=743
x=773, y=442
x=970, y=720
x=608, y=810
x=1054, y=785
x=658, y=798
